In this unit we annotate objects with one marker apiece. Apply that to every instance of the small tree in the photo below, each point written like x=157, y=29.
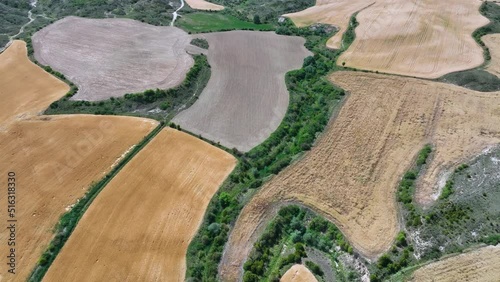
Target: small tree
x=256, y=19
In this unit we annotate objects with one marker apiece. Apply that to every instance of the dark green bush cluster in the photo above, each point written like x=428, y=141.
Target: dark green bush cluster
x=299, y=226
x=314, y=268
x=312, y=99
x=447, y=190
x=424, y=154
x=200, y=42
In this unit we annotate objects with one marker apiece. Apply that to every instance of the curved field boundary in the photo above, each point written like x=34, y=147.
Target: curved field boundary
x=350, y=176
x=111, y=57
x=482, y=264
x=298, y=273
x=26, y=90
x=139, y=227
x=413, y=39
x=246, y=98
x=337, y=13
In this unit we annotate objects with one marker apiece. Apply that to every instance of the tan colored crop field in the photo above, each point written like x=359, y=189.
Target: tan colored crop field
x=140, y=225
x=298, y=273
x=204, y=5
x=481, y=265
x=111, y=57
x=416, y=38
x=333, y=12
x=246, y=97
x=351, y=174
x=493, y=43
x=55, y=160
x=25, y=89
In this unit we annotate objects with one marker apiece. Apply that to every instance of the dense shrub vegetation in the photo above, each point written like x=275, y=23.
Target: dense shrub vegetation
x=312, y=99
x=151, y=103
x=283, y=244
x=200, y=42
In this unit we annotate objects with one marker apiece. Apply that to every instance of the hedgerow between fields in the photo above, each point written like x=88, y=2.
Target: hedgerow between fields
x=312, y=99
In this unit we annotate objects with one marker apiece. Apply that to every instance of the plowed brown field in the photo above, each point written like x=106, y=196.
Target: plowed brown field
x=351, y=174
x=204, y=5
x=55, y=160
x=493, y=43
x=25, y=89
x=298, y=273
x=140, y=225
x=246, y=97
x=112, y=57
x=417, y=38
x=481, y=265
x=334, y=12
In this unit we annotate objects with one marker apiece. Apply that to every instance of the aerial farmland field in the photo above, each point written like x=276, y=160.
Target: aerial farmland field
x=493, y=43
x=414, y=38
x=25, y=88
x=141, y=224
x=112, y=57
x=351, y=175
x=204, y=5
x=246, y=97
x=336, y=13
x=298, y=273
x=477, y=265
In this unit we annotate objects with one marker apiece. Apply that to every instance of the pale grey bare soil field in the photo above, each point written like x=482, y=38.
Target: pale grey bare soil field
x=246, y=97
x=111, y=57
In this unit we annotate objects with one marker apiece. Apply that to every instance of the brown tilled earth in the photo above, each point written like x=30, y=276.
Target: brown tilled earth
x=298, y=273
x=112, y=57
x=140, y=225
x=334, y=12
x=417, y=38
x=246, y=97
x=55, y=160
x=481, y=265
x=204, y=5
x=25, y=89
x=350, y=176
x=493, y=43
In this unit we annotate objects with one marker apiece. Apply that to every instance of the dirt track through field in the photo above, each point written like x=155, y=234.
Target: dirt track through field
x=111, y=57
x=140, y=225
x=481, y=265
x=55, y=160
x=204, y=5
x=298, y=273
x=25, y=89
x=492, y=41
x=246, y=97
x=422, y=38
x=337, y=13
x=351, y=175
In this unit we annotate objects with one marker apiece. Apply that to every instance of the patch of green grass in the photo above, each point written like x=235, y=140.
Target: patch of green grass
x=211, y=22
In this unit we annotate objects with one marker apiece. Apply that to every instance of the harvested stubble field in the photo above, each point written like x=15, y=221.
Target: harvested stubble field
x=351, y=175
x=246, y=97
x=25, y=88
x=204, y=5
x=337, y=13
x=416, y=38
x=298, y=273
x=493, y=43
x=111, y=57
x=55, y=160
x=140, y=225
x=479, y=265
